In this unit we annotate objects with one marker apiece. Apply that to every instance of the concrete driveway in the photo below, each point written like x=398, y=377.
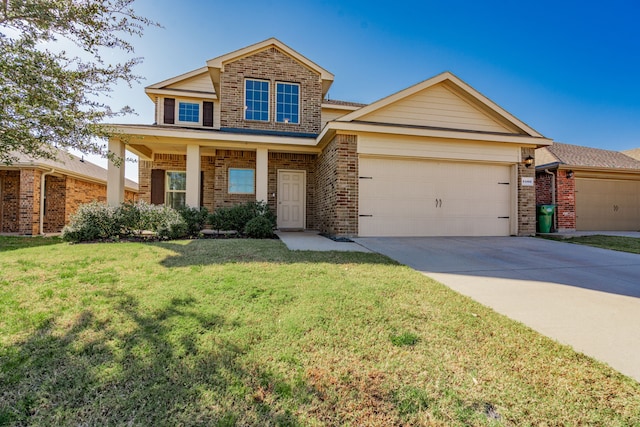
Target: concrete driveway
x=585, y=297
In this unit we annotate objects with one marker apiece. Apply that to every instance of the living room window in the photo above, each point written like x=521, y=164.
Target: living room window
x=241, y=181
x=287, y=103
x=176, y=186
x=188, y=112
x=256, y=96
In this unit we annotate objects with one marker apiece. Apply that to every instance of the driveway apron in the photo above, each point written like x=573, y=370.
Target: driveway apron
x=585, y=297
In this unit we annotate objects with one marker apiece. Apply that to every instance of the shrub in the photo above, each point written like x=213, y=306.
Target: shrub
x=97, y=221
x=128, y=217
x=195, y=219
x=168, y=223
x=238, y=217
x=220, y=219
x=259, y=227
x=92, y=221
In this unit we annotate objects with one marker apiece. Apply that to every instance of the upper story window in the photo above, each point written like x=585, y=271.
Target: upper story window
x=256, y=97
x=287, y=103
x=188, y=112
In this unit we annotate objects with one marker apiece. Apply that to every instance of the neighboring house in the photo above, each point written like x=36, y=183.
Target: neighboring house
x=593, y=189
x=38, y=196
x=435, y=159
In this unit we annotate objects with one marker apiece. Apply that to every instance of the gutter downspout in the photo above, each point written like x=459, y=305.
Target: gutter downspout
x=42, y=194
x=553, y=198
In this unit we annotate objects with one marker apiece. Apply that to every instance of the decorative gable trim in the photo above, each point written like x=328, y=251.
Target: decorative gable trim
x=461, y=89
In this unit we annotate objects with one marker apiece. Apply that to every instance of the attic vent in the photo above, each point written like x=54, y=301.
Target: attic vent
x=274, y=50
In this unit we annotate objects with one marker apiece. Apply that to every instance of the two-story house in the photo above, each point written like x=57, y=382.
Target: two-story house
x=437, y=158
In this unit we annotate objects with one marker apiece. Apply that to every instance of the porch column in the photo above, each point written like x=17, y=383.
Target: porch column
x=262, y=174
x=115, y=174
x=192, y=198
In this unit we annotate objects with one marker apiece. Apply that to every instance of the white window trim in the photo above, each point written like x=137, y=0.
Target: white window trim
x=229, y=180
x=188, y=101
x=244, y=101
x=167, y=186
x=299, y=102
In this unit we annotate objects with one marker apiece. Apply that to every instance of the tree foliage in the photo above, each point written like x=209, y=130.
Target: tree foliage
x=50, y=97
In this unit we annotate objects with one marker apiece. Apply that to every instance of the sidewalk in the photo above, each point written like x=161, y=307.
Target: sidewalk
x=311, y=240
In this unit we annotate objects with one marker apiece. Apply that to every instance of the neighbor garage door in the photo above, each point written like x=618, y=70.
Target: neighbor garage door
x=433, y=198
x=607, y=204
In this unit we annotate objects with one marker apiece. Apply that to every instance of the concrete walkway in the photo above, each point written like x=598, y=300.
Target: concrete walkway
x=310, y=240
x=585, y=297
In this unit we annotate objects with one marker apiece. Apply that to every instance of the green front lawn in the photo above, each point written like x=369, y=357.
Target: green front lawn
x=616, y=243
x=244, y=332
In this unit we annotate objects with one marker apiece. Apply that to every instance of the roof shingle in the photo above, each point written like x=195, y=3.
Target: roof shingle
x=66, y=162
x=576, y=155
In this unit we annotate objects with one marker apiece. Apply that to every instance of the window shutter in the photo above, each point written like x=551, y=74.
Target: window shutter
x=157, y=186
x=169, y=111
x=207, y=114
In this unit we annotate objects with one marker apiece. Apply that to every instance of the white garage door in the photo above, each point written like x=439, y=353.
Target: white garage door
x=607, y=204
x=433, y=198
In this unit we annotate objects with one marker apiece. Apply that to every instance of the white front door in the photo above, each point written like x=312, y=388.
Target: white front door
x=291, y=199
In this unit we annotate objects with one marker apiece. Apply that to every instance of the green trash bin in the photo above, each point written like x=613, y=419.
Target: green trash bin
x=545, y=215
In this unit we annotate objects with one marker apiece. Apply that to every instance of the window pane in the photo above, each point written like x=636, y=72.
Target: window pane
x=177, y=181
x=241, y=181
x=176, y=200
x=256, y=100
x=287, y=103
x=188, y=112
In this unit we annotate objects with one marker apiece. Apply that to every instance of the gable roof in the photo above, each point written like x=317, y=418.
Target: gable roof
x=579, y=156
x=216, y=65
x=504, y=122
x=634, y=152
x=68, y=164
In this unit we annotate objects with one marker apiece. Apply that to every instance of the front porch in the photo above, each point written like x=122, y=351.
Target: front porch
x=222, y=173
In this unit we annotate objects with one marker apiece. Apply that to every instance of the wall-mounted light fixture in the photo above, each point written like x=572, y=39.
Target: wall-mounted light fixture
x=528, y=161
x=569, y=174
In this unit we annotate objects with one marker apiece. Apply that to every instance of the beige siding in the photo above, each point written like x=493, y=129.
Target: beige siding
x=405, y=146
x=201, y=83
x=331, y=114
x=436, y=106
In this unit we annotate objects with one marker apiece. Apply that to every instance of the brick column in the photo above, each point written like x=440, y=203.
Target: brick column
x=29, y=208
x=526, y=196
x=566, y=201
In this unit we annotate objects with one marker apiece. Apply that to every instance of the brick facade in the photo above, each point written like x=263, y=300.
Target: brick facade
x=10, y=201
x=526, y=197
x=20, y=197
x=565, y=189
x=275, y=66
x=337, y=187
x=29, y=210
x=55, y=204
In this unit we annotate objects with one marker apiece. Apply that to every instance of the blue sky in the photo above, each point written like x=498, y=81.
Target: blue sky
x=569, y=69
